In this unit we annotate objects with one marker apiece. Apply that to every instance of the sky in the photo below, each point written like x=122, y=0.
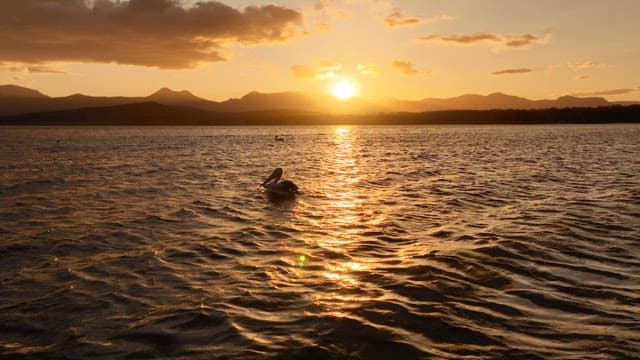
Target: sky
x=409, y=49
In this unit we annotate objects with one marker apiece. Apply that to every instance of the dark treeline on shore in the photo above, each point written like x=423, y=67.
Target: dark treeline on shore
x=153, y=114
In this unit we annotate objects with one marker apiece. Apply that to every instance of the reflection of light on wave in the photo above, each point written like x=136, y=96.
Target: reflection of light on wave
x=341, y=218
x=342, y=273
x=343, y=206
x=343, y=212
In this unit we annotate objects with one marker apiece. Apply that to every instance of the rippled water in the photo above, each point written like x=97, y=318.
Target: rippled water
x=406, y=242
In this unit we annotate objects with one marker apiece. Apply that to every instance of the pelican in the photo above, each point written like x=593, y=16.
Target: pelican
x=273, y=185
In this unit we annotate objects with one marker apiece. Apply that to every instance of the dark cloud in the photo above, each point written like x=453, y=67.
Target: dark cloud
x=509, y=41
x=407, y=67
x=609, y=92
x=461, y=39
x=396, y=19
x=159, y=33
x=512, y=71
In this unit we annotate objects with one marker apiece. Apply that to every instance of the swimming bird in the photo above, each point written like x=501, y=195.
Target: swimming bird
x=278, y=138
x=273, y=185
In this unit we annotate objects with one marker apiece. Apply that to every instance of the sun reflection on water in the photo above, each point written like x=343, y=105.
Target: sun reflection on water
x=331, y=261
x=343, y=214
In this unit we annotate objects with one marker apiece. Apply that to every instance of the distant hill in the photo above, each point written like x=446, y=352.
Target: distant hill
x=15, y=100
x=182, y=98
x=504, y=101
x=14, y=91
x=22, y=100
x=299, y=101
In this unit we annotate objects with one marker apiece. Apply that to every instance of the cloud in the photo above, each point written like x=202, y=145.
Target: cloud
x=396, y=19
x=583, y=77
x=324, y=69
x=322, y=4
x=328, y=65
x=340, y=14
x=407, y=67
x=157, y=33
x=609, y=92
x=507, y=41
x=576, y=66
x=30, y=68
x=442, y=17
x=303, y=72
x=512, y=71
x=367, y=69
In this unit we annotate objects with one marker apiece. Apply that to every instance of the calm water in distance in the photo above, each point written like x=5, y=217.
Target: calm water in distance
x=407, y=242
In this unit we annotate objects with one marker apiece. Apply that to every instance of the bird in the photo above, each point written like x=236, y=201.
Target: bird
x=273, y=185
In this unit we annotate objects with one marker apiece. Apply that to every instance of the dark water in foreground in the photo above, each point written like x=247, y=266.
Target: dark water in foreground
x=407, y=242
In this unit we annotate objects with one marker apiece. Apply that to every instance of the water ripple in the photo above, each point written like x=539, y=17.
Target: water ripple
x=408, y=242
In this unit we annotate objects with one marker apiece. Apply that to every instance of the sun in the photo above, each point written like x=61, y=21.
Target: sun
x=343, y=90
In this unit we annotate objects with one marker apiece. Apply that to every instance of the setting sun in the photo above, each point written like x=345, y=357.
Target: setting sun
x=343, y=90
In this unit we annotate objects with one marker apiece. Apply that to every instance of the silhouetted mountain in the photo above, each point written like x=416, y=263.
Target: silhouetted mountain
x=504, y=101
x=572, y=101
x=14, y=91
x=168, y=96
x=300, y=101
x=16, y=100
x=477, y=102
x=23, y=100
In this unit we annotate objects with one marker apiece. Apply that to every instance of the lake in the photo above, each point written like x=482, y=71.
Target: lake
x=405, y=242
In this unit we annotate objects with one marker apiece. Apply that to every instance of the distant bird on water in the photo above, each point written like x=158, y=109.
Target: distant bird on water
x=274, y=186
x=278, y=138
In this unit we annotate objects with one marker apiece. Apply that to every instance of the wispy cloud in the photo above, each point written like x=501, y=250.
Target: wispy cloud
x=507, y=41
x=158, y=33
x=323, y=69
x=370, y=70
x=407, y=67
x=512, y=71
x=322, y=4
x=622, y=91
x=303, y=72
x=437, y=18
x=30, y=68
x=584, y=65
x=397, y=18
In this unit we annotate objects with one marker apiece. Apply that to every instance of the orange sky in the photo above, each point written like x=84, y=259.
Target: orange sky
x=404, y=49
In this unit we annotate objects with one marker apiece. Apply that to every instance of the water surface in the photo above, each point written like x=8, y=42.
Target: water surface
x=406, y=242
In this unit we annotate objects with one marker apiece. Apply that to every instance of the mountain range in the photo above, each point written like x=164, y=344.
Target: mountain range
x=16, y=100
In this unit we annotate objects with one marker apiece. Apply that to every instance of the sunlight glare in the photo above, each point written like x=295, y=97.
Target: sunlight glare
x=343, y=90
x=342, y=130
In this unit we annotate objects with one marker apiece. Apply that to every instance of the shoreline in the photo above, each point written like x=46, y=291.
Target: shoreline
x=154, y=114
